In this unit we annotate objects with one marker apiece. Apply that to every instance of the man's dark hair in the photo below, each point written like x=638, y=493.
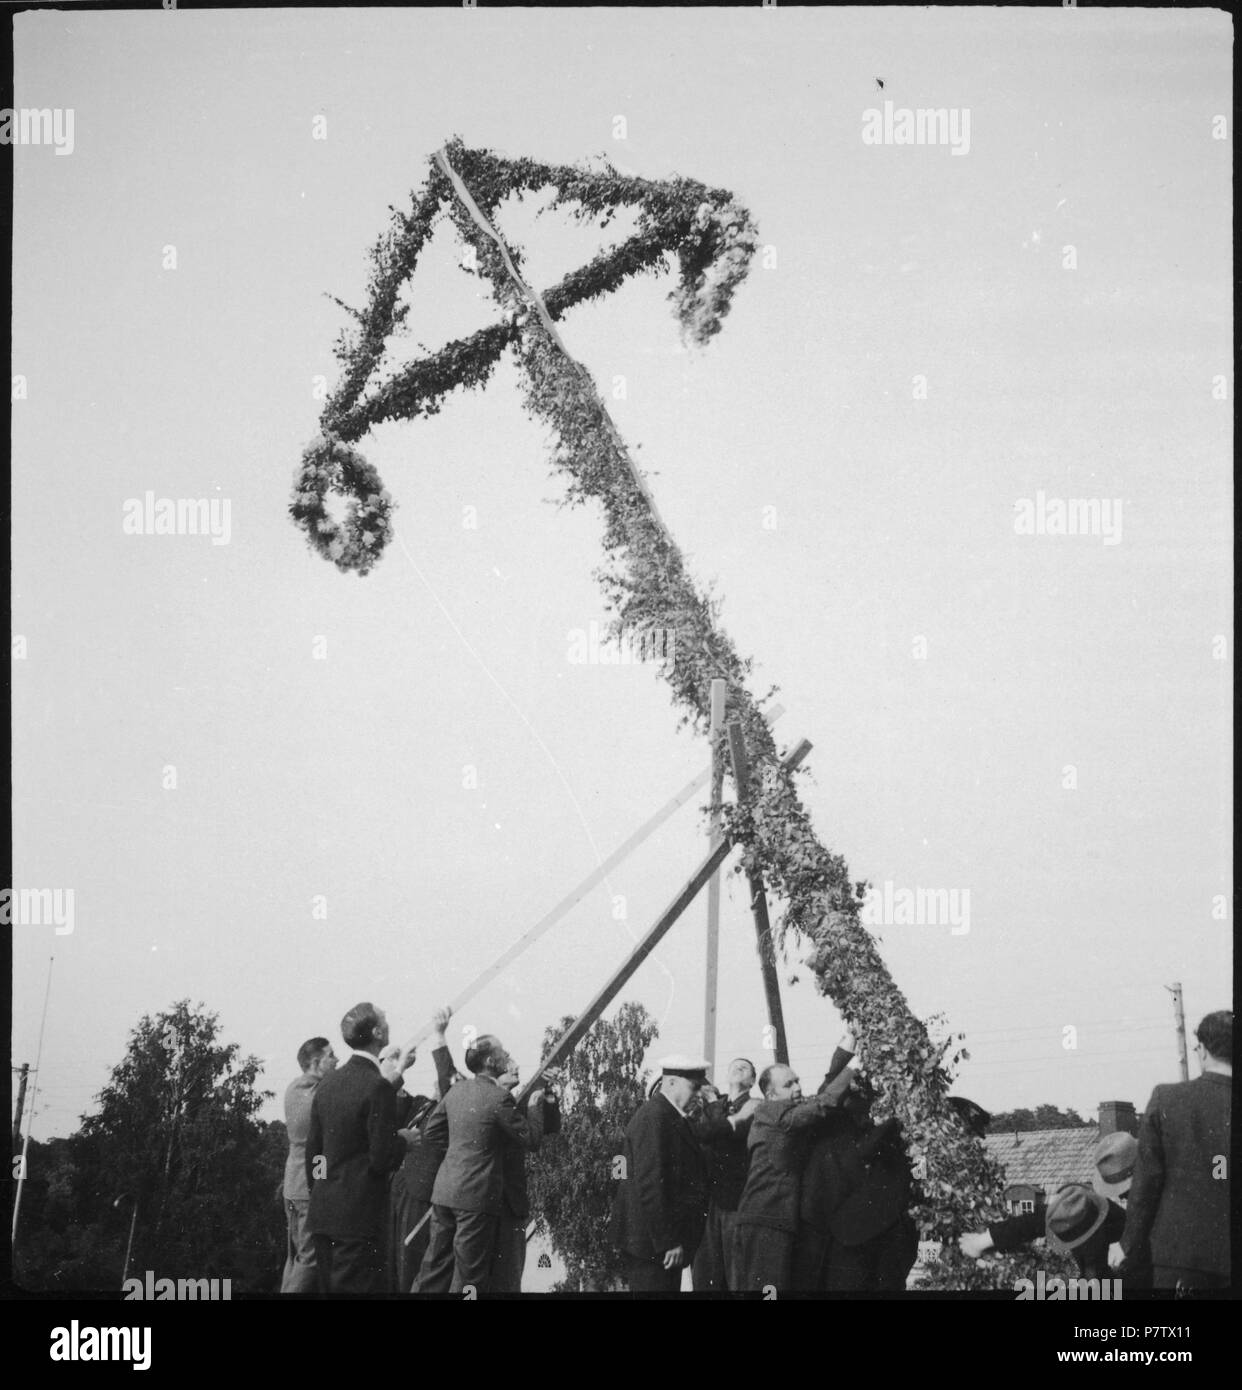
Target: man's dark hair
x=480, y=1052
x=1216, y=1034
x=359, y=1025
x=765, y=1076
x=747, y=1062
x=311, y=1051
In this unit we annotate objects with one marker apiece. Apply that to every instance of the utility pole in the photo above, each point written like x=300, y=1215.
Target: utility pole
x=21, y=1104
x=713, y=886
x=1179, y=1022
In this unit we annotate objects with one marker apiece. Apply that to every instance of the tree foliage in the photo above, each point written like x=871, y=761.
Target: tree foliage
x=571, y=1178
x=1042, y=1117
x=176, y=1137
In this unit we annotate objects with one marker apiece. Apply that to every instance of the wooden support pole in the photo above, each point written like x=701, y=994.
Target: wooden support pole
x=759, y=907
x=587, y=1019
x=713, y=886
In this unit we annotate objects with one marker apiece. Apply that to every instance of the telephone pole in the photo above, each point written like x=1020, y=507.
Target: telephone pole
x=21, y=1103
x=1179, y=1022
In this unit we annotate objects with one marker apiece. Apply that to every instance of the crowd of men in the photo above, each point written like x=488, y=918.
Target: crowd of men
x=755, y=1189
x=763, y=1189
x=391, y=1192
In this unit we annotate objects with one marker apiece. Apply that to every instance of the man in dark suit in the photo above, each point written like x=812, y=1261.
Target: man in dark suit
x=351, y=1147
x=1179, y=1200
x=780, y=1134
x=409, y=1191
x=660, y=1208
x=722, y=1127
x=855, y=1230
x=476, y=1123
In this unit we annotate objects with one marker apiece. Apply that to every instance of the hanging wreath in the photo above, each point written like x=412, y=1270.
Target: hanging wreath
x=329, y=465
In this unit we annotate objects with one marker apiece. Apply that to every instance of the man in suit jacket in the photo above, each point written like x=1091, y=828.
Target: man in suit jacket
x=351, y=1147
x=316, y=1059
x=780, y=1135
x=409, y=1191
x=722, y=1127
x=1179, y=1200
x=660, y=1208
x=476, y=1123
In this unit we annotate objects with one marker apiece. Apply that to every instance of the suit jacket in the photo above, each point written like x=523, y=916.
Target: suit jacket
x=298, y=1097
x=779, y=1139
x=856, y=1183
x=418, y=1172
x=1176, y=1201
x=661, y=1201
x=475, y=1124
x=353, y=1126
x=727, y=1155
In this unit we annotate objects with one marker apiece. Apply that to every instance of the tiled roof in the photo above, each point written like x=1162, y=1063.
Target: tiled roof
x=1045, y=1158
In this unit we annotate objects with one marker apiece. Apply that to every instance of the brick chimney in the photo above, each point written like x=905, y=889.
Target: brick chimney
x=1117, y=1115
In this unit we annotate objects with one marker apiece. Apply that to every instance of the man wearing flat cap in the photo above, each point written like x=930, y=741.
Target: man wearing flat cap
x=660, y=1208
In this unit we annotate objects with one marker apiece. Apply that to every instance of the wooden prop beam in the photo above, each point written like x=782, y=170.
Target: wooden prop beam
x=568, y=1040
x=713, y=884
x=759, y=907
x=597, y=875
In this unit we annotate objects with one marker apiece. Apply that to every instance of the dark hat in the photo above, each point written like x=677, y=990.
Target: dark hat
x=1114, y=1163
x=973, y=1116
x=1074, y=1215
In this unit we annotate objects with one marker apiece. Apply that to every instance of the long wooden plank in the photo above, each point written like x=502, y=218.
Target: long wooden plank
x=587, y=1019
x=713, y=884
x=596, y=876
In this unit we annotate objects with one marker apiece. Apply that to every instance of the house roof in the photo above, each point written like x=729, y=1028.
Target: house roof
x=1045, y=1158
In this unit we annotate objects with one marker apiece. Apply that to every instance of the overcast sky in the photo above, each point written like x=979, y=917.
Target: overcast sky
x=842, y=512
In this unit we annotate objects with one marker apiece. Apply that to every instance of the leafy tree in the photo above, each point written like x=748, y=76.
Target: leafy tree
x=176, y=1136
x=1042, y=1117
x=571, y=1178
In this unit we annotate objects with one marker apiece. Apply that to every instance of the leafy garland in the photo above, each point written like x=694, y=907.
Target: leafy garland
x=329, y=465
x=647, y=586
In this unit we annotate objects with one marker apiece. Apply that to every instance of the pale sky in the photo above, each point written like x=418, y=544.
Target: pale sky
x=894, y=521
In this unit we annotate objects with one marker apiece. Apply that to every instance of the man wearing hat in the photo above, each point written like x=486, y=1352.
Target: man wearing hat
x=660, y=1208
x=1179, y=1205
x=1080, y=1219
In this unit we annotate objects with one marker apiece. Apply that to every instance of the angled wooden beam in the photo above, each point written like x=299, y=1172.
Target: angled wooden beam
x=759, y=908
x=597, y=875
x=568, y=1040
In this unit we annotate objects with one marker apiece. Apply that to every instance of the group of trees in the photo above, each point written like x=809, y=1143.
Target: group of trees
x=1042, y=1117
x=176, y=1151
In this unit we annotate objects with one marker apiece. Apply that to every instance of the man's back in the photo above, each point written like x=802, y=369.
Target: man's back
x=353, y=1129
x=298, y=1097
x=1180, y=1194
x=481, y=1122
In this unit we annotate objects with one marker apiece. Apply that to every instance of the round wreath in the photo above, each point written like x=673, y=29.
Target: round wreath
x=331, y=465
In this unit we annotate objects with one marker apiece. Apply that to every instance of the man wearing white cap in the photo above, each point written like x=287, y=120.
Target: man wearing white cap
x=660, y=1208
